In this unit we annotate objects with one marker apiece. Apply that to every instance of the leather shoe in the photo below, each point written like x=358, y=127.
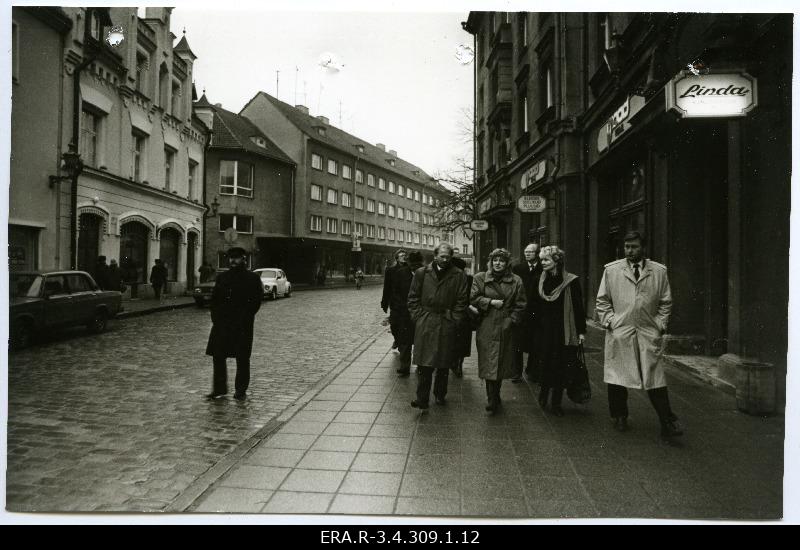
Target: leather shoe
x=211, y=396
x=240, y=396
x=671, y=428
x=441, y=401
x=557, y=410
x=418, y=405
x=621, y=424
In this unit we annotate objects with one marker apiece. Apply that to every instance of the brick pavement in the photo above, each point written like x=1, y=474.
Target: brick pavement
x=116, y=422
x=358, y=448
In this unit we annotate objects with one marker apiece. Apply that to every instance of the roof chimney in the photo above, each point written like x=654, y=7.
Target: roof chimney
x=323, y=119
x=219, y=105
x=302, y=108
x=380, y=146
x=393, y=152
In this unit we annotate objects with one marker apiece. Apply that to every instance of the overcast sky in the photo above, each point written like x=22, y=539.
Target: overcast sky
x=398, y=79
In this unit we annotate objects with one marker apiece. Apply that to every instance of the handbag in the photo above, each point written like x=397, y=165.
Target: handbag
x=474, y=317
x=578, y=388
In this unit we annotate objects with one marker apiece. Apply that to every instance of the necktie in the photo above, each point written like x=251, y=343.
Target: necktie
x=636, y=271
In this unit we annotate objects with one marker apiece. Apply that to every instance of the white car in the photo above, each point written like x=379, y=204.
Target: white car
x=274, y=282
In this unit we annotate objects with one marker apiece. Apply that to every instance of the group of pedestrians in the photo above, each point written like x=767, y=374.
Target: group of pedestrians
x=108, y=276
x=536, y=307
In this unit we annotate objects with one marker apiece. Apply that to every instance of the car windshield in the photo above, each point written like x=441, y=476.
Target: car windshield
x=25, y=285
x=268, y=274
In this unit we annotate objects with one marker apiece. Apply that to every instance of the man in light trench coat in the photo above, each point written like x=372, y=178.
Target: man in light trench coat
x=634, y=303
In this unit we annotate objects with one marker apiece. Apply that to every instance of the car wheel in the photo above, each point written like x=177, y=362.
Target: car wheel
x=274, y=294
x=288, y=292
x=99, y=322
x=21, y=336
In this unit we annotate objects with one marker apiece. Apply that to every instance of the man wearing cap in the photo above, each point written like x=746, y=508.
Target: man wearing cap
x=235, y=300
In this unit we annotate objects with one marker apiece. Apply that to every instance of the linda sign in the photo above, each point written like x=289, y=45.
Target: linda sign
x=712, y=95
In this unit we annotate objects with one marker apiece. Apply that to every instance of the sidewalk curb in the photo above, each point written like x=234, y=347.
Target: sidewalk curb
x=698, y=376
x=205, y=481
x=157, y=309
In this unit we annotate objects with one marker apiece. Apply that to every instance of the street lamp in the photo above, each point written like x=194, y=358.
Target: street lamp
x=71, y=163
x=213, y=207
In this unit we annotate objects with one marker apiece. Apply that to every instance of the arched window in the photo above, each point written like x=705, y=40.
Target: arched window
x=133, y=241
x=168, y=251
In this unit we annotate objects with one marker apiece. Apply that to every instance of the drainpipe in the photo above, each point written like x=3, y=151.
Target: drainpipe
x=291, y=204
x=206, y=147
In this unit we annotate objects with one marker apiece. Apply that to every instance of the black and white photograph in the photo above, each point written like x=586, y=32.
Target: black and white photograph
x=447, y=263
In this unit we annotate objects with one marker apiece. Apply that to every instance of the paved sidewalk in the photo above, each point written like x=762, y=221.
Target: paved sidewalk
x=357, y=447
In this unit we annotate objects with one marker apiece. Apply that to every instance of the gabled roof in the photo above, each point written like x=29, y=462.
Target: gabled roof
x=183, y=47
x=346, y=143
x=232, y=131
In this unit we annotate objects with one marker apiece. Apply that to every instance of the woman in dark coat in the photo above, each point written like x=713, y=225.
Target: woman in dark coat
x=464, y=332
x=560, y=321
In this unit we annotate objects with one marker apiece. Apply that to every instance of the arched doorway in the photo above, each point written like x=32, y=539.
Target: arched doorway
x=88, y=242
x=169, y=246
x=191, y=244
x=133, y=241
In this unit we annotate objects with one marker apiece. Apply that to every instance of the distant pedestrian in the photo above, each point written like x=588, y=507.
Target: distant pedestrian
x=101, y=273
x=437, y=300
x=500, y=297
x=560, y=326
x=114, y=277
x=235, y=300
x=634, y=303
x=464, y=332
x=206, y=272
x=359, y=278
x=396, y=283
x=529, y=271
x=158, y=277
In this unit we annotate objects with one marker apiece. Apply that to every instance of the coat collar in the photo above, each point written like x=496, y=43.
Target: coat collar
x=447, y=274
x=645, y=272
x=506, y=278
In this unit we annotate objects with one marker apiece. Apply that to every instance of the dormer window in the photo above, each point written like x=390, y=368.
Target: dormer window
x=360, y=148
x=260, y=141
x=321, y=131
x=391, y=162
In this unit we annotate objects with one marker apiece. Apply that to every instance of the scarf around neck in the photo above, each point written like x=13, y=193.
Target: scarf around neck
x=570, y=330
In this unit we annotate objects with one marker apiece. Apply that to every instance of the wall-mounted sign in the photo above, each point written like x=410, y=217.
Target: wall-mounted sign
x=479, y=225
x=619, y=122
x=231, y=235
x=712, y=95
x=486, y=204
x=535, y=173
x=531, y=203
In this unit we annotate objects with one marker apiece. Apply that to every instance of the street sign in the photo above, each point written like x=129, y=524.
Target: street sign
x=479, y=225
x=231, y=235
x=531, y=203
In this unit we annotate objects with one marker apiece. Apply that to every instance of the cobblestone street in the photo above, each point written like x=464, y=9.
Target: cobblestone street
x=117, y=422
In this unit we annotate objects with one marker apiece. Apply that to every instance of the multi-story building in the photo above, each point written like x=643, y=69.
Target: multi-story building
x=125, y=107
x=249, y=183
x=676, y=125
x=354, y=203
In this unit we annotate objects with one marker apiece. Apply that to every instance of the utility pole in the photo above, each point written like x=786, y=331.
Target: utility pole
x=277, y=84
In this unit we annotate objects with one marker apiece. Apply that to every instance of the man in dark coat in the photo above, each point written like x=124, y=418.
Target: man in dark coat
x=437, y=301
x=158, y=277
x=394, y=302
x=400, y=318
x=101, y=273
x=235, y=300
x=529, y=271
x=386, y=298
x=114, y=277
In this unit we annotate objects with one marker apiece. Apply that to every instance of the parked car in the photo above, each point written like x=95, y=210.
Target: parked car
x=275, y=282
x=202, y=291
x=58, y=299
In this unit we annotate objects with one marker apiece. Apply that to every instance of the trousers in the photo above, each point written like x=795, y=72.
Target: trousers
x=659, y=398
x=220, y=384
x=425, y=380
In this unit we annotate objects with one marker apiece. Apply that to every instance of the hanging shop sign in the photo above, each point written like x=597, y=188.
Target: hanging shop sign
x=535, y=173
x=479, y=225
x=531, y=203
x=712, y=95
x=619, y=122
x=485, y=205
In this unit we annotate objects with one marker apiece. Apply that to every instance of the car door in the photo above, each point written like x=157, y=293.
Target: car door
x=281, y=283
x=57, y=301
x=84, y=298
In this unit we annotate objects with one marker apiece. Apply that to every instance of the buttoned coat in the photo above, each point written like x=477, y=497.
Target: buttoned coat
x=235, y=300
x=637, y=313
x=495, y=337
x=530, y=280
x=437, y=304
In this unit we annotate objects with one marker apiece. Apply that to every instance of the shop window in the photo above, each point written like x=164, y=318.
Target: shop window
x=169, y=245
x=133, y=245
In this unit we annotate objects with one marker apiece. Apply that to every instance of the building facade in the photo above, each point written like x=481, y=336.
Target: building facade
x=676, y=125
x=248, y=183
x=126, y=108
x=355, y=203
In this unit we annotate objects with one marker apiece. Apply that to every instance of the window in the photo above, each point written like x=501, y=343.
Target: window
x=408, y=236
x=168, y=249
x=382, y=184
x=316, y=192
x=142, y=70
x=163, y=87
x=96, y=28
x=359, y=229
x=391, y=162
x=549, y=79
x=416, y=217
x=416, y=196
x=359, y=202
x=523, y=111
x=371, y=231
x=371, y=180
x=90, y=135
x=316, y=161
x=382, y=208
x=416, y=238
x=392, y=188
x=347, y=199
x=409, y=216
x=391, y=234
x=409, y=193
x=401, y=235
x=347, y=172
x=391, y=211
x=176, y=99
x=242, y=224
x=522, y=29
x=316, y=224
x=400, y=190
x=138, y=168
x=424, y=198
x=424, y=219
x=332, y=222
x=370, y=205
x=401, y=213
x=425, y=239
x=192, y=179
x=465, y=249
x=333, y=196
x=359, y=176
x=169, y=167
x=235, y=178
x=346, y=227
x=333, y=167
x=382, y=233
